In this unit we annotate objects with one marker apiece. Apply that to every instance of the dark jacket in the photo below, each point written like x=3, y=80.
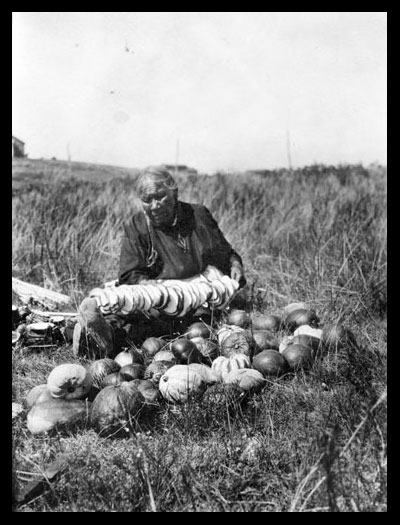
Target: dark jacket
x=205, y=244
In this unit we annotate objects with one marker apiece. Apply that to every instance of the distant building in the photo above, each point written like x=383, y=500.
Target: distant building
x=181, y=168
x=18, y=147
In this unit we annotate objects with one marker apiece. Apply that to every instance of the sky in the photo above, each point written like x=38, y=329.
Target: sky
x=211, y=90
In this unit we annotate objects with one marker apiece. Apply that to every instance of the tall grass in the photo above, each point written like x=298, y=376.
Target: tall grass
x=311, y=442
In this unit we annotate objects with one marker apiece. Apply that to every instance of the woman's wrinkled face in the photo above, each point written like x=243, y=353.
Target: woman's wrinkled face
x=158, y=203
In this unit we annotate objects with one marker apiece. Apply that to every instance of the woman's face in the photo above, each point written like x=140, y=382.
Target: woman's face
x=158, y=203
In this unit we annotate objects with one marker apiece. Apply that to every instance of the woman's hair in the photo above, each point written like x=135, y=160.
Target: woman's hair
x=156, y=175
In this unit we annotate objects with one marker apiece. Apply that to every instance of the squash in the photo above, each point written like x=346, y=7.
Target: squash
x=132, y=371
x=38, y=392
x=298, y=357
x=155, y=370
x=305, y=329
x=198, y=329
x=152, y=345
x=222, y=365
x=300, y=317
x=264, y=340
x=113, y=379
x=315, y=344
x=100, y=368
x=208, y=349
x=185, y=351
x=335, y=336
x=56, y=414
x=149, y=391
x=266, y=322
x=291, y=307
x=205, y=371
x=166, y=356
x=179, y=384
x=239, y=318
x=238, y=343
x=128, y=357
x=115, y=408
x=247, y=379
x=270, y=363
x=226, y=330
x=69, y=381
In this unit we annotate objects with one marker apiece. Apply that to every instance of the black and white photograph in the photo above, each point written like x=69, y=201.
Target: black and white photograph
x=199, y=262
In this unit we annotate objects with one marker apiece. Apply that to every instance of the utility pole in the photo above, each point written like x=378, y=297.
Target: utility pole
x=288, y=149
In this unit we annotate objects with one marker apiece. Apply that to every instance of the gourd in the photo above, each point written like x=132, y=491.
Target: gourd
x=266, y=322
x=265, y=340
x=152, y=345
x=301, y=317
x=298, y=357
x=180, y=383
x=205, y=371
x=239, y=318
x=69, y=381
x=57, y=413
x=185, y=351
x=149, y=391
x=208, y=349
x=165, y=355
x=36, y=393
x=222, y=365
x=116, y=407
x=270, y=363
x=238, y=343
x=100, y=368
x=155, y=370
x=198, y=329
x=248, y=380
x=129, y=356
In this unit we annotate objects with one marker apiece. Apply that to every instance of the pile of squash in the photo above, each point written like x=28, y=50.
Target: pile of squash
x=246, y=352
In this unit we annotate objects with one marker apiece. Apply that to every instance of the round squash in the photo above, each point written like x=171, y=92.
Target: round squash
x=300, y=317
x=166, y=356
x=335, y=336
x=298, y=357
x=155, y=370
x=205, y=371
x=238, y=343
x=149, y=391
x=132, y=371
x=128, y=357
x=239, y=318
x=266, y=322
x=152, y=345
x=100, y=368
x=227, y=330
x=270, y=363
x=69, y=381
x=222, y=365
x=185, y=351
x=315, y=344
x=264, y=340
x=208, y=349
x=116, y=407
x=198, y=329
x=35, y=394
x=247, y=379
x=179, y=384
x=114, y=379
x=57, y=414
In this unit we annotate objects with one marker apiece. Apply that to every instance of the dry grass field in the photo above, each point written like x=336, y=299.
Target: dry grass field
x=313, y=441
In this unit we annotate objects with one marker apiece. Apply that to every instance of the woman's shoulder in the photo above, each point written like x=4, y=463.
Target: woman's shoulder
x=194, y=208
x=136, y=222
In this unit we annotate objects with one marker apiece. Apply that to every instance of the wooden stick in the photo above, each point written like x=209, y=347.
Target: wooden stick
x=27, y=291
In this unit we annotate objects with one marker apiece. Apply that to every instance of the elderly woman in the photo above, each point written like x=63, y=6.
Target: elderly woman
x=165, y=239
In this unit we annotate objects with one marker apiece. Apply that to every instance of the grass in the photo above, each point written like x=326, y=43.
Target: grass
x=313, y=441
